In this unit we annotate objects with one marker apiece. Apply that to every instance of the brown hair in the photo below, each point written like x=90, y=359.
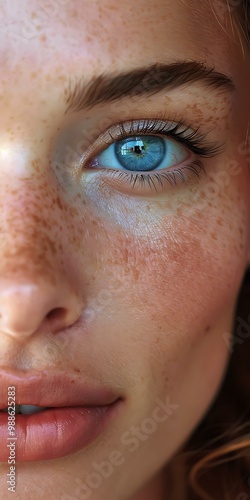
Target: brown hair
x=215, y=462
x=243, y=17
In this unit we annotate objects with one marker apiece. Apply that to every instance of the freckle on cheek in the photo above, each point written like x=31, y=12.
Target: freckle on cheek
x=184, y=268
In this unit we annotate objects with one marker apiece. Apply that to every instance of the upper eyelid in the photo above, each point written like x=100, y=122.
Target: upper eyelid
x=108, y=133
x=99, y=144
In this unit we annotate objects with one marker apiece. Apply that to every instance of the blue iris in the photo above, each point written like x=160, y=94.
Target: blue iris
x=142, y=153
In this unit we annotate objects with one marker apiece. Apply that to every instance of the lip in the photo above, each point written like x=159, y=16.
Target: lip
x=54, y=389
x=78, y=412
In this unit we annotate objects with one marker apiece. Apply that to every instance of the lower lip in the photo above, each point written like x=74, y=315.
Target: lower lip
x=52, y=433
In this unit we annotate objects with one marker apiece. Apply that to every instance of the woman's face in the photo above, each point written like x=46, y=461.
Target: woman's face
x=121, y=280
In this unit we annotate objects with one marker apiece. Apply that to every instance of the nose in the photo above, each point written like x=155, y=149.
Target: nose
x=28, y=307
x=37, y=288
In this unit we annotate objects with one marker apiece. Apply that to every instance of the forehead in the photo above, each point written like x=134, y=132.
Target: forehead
x=99, y=34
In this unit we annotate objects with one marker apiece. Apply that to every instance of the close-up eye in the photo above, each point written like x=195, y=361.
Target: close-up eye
x=151, y=153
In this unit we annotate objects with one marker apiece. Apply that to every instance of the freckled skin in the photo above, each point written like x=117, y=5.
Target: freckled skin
x=152, y=278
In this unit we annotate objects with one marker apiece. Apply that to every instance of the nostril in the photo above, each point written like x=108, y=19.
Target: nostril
x=58, y=314
x=27, y=309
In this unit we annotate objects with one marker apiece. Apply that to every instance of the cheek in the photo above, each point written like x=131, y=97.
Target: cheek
x=177, y=279
x=185, y=272
x=160, y=281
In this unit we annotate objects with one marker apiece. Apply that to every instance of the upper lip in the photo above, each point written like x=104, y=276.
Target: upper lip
x=52, y=390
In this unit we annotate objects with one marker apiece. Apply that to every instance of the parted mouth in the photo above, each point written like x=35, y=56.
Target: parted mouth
x=24, y=409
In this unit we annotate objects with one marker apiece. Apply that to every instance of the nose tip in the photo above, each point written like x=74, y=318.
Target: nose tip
x=25, y=308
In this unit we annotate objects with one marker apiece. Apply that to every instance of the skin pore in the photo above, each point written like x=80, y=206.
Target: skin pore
x=151, y=278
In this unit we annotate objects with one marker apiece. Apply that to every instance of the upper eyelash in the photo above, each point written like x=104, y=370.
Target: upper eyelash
x=190, y=138
x=178, y=131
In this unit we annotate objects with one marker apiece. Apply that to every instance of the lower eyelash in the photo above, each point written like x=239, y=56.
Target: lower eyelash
x=193, y=140
x=196, y=167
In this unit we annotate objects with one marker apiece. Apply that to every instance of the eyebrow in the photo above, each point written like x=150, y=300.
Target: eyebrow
x=143, y=81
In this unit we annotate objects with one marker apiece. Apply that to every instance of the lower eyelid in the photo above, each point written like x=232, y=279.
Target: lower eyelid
x=145, y=184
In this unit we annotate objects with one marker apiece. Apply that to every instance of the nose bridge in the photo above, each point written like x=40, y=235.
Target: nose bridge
x=34, y=289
